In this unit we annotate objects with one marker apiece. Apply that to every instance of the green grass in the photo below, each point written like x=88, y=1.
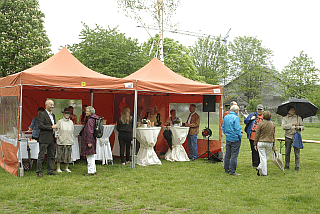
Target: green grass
x=178, y=187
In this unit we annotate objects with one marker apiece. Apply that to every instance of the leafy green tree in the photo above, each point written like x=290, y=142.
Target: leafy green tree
x=210, y=60
x=108, y=52
x=250, y=64
x=315, y=98
x=176, y=57
x=300, y=77
x=23, y=42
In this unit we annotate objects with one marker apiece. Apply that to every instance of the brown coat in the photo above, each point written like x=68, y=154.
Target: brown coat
x=194, y=124
x=265, y=132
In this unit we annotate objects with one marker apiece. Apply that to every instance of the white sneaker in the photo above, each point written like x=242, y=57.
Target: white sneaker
x=59, y=170
x=67, y=170
x=123, y=164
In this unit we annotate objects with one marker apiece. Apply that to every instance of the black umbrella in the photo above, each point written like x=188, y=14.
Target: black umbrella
x=302, y=107
x=168, y=136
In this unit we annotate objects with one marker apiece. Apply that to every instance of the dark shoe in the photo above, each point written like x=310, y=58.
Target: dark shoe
x=85, y=174
x=40, y=175
x=286, y=167
x=52, y=173
x=296, y=169
x=259, y=173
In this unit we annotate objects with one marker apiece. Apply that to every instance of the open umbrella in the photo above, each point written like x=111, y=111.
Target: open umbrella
x=302, y=107
x=277, y=160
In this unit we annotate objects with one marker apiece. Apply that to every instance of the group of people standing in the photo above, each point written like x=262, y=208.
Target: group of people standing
x=261, y=134
x=49, y=133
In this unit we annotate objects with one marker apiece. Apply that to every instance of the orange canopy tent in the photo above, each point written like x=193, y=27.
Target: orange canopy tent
x=61, y=76
x=155, y=78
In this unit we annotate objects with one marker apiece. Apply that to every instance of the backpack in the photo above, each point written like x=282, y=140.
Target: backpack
x=98, y=128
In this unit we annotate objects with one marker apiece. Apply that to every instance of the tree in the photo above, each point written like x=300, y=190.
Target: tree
x=300, y=77
x=210, y=60
x=108, y=52
x=24, y=42
x=161, y=12
x=250, y=64
x=176, y=57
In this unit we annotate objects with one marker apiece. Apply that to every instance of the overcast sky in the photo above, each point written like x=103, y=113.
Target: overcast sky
x=284, y=26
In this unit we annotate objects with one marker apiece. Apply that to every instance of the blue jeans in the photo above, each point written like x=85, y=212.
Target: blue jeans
x=192, y=144
x=230, y=158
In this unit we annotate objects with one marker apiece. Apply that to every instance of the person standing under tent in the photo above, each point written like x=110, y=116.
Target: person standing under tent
x=193, y=122
x=124, y=128
x=73, y=117
x=88, y=141
x=65, y=140
x=34, y=126
x=47, y=124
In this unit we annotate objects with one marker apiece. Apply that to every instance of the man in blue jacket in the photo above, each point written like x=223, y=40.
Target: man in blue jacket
x=252, y=121
x=232, y=129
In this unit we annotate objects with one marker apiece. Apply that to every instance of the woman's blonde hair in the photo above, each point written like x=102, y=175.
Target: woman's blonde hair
x=125, y=116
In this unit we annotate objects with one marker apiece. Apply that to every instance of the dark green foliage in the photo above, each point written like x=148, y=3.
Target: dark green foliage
x=24, y=42
x=108, y=52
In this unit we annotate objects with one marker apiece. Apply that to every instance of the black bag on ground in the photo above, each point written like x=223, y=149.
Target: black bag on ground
x=98, y=128
x=168, y=136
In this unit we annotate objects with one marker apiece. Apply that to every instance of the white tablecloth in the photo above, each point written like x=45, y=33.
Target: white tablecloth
x=147, y=138
x=103, y=147
x=34, y=149
x=179, y=135
x=75, y=154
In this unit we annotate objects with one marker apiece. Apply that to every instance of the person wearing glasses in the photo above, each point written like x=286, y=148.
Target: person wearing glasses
x=252, y=121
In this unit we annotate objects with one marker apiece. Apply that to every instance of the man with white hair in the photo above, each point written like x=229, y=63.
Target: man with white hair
x=231, y=104
x=232, y=129
x=47, y=142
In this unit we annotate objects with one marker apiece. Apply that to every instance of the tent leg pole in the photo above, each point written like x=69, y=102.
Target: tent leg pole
x=134, y=137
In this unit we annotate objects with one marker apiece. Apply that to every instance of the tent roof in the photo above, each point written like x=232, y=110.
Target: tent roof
x=157, y=77
x=63, y=70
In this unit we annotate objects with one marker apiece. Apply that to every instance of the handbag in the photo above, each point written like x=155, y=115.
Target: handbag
x=297, y=141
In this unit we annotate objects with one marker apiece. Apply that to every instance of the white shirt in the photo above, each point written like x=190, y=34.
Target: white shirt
x=51, y=116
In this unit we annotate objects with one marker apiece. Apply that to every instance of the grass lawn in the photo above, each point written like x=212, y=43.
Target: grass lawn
x=178, y=187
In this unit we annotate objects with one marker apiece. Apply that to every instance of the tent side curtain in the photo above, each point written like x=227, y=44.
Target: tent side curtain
x=9, y=117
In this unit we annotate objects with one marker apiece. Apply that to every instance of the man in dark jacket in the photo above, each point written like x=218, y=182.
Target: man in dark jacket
x=46, y=122
x=253, y=120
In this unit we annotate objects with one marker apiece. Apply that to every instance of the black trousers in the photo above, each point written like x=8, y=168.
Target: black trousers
x=50, y=149
x=124, y=143
x=255, y=155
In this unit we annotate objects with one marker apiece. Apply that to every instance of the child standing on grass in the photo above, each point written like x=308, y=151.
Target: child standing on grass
x=64, y=140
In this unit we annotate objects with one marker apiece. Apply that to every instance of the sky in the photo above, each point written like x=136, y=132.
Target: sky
x=284, y=26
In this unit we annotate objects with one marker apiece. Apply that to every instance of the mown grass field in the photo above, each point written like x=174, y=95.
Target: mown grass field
x=178, y=187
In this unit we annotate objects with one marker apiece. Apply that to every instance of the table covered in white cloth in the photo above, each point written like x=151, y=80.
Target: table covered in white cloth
x=179, y=135
x=34, y=149
x=75, y=154
x=103, y=147
x=148, y=139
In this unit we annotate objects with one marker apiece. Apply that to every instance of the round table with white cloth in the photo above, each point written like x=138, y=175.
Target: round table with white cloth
x=148, y=139
x=179, y=135
x=103, y=147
